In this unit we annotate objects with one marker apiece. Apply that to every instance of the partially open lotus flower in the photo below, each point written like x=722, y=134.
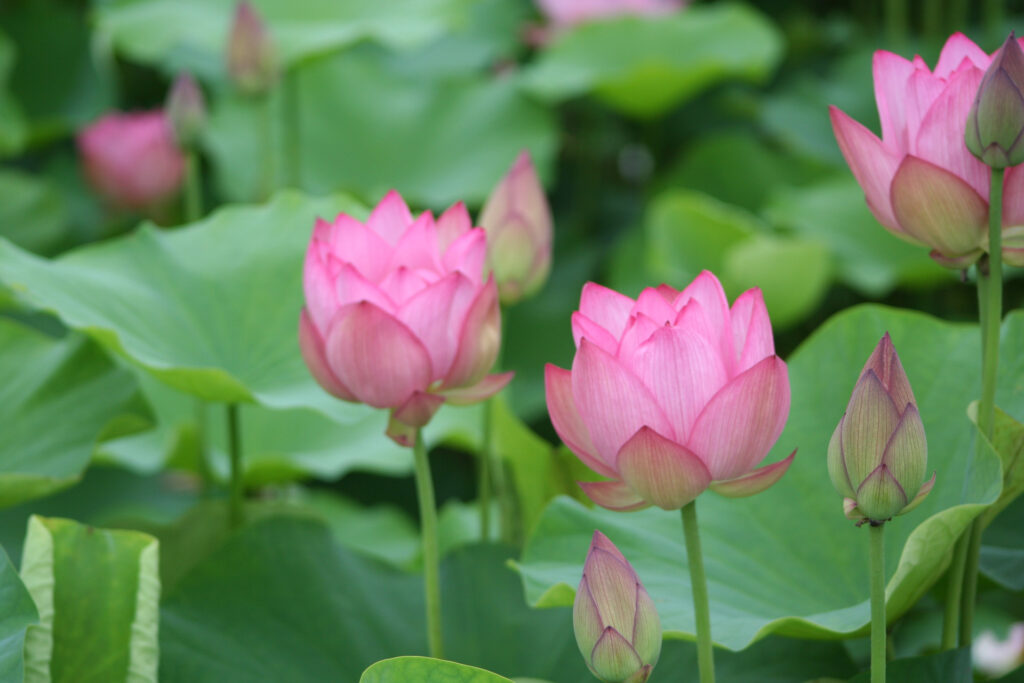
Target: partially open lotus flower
x=132, y=159
x=995, y=126
x=878, y=453
x=617, y=627
x=921, y=181
x=398, y=314
x=251, y=62
x=671, y=394
x=186, y=110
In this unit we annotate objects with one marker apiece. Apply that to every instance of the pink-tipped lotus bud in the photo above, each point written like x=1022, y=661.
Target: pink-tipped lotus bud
x=878, y=454
x=186, y=110
x=617, y=628
x=518, y=224
x=251, y=62
x=995, y=126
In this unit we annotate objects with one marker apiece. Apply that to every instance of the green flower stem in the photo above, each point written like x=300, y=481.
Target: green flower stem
x=265, y=103
x=877, y=603
x=292, y=129
x=702, y=612
x=431, y=554
x=235, y=454
x=193, y=187
x=896, y=22
x=954, y=592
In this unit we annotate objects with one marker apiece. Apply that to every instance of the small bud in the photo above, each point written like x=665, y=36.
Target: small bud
x=996, y=122
x=186, y=110
x=617, y=628
x=878, y=453
x=518, y=224
x=251, y=62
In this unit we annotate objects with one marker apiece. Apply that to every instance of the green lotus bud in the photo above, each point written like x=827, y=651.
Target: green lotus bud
x=251, y=62
x=878, y=453
x=995, y=126
x=617, y=627
x=186, y=110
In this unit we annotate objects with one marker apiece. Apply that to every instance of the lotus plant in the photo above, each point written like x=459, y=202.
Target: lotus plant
x=564, y=13
x=617, y=627
x=251, y=62
x=186, y=110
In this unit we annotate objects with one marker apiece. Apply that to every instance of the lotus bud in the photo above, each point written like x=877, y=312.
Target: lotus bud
x=251, y=62
x=518, y=224
x=186, y=110
x=878, y=453
x=617, y=627
x=996, y=122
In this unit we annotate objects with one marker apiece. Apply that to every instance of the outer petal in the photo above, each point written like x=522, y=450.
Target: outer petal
x=313, y=353
x=891, y=73
x=661, y=471
x=479, y=340
x=418, y=409
x=613, y=495
x=481, y=391
x=880, y=496
x=566, y=420
x=959, y=47
x=742, y=422
x=885, y=363
x=870, y=419
x=582, y=326
x=318, y=286
x=753, y=482
x=872, y=163
x=751, y=330
x=612, y=401
x=612, y=584
x=837, y=471
x=922, y=493
x=390, y=217
x=938, y=208
x=906, y=454
x=376, y=356
x=430, y=316
x=613, y=658
x=606, y=307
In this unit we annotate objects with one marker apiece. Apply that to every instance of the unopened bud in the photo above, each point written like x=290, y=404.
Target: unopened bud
x=186, y=110
x=251, y=62
x=995, y=126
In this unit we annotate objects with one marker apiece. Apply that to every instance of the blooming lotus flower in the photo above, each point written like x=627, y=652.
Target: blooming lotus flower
x=994, y=657
x=251, y=62
x=617, y=628
x=878, y=452
x=571, y=12
x=996, y=121
x=398, y=314
x=132, y=159
x=670, y=394
x=921, y=182
x=518, y=224
x=186, y=110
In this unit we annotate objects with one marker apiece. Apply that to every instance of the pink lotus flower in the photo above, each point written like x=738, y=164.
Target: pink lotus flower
x=572, y=12
x=398, y=314
x=921, y=182
x=131, y=159
x=671, y=394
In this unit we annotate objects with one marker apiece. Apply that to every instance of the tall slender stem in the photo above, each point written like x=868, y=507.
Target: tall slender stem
x=954, y=593
x=292, y=129
x=877, y=575
x=990, y=313
x=193, y=187
x=701, y=610
x=268, y=173
x=235, y=454
x=896, y=22
x=431, y=554
x=485, y=472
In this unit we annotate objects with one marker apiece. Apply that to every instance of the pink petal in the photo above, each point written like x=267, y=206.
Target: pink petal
x=751, y=330
x=390, y=218
x=613, y=495
x=940, y=139
x=707, y=291
x=319, y=288
x=452, y=224
x=661, y=471
x=612, y=401
x=753, y=482
x=891, y=74
x=376, y=356
x=467, y=253
x=360, y=246
x=614, y=656
x=312, y=347
x=937, y=208
x=601, y=542
x=418, y=409
x=401, y=433
x=351, y=287
x=870, y=419
x=959, y=47
x=669, y=293
x=434, y=314
x=606, y=307
x=652, y=304
x=566, y=420
x=743, y=420
x=872, y=163
x=481, y=391
x=683, y=371
x=479, y=339
x=885, y=363
x=612, y=584
x=922, y=90
x=638, y=330
x=404, y=283
x=417, y=247
x=1013, y=196
x=582, y=326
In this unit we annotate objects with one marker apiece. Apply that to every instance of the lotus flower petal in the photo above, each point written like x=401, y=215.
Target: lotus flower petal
x=313, y=353
x=567, y=421
x=479, y=340
x=606, y=307
x=481, y=391
x=613, y=495
x=661, y=471
x=753, y=482
x=390, y=218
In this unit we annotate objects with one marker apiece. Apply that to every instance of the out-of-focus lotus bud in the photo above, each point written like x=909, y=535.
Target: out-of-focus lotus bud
x=398, y=313
x=518, y=224
x=186, y=110
x=132, y=159
x=617, y=628
x=878, y=453
x=995, y=126
x=996, y=658
x=251, y=61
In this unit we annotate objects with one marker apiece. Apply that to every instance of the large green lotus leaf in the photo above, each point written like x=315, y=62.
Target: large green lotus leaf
x=192, y=34
x=402, y=669
x=210, y=309
x=643, y=66
x=952, y=666
x=17, y=613
x=98, y=595
x=57, y=398
x=436, y=142
x=787, y=560
x=1002, y=550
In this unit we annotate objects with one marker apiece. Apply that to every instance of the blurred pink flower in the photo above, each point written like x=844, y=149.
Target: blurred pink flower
x=920, y=180
x=670, y=394
x=398, y=314
x=572, y=12
x=131, y=159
